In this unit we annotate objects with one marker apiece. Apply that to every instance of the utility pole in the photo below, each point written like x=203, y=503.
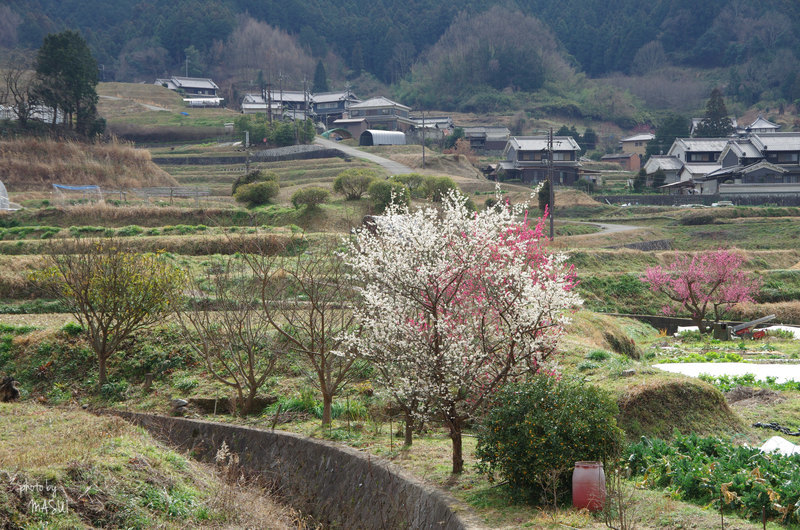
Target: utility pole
x=280, y=82
x=550, y=180
x=269, y=101
x=305, y=99
x=187, y=66
x=423, y=139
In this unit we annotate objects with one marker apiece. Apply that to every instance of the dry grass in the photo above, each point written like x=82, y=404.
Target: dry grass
x=32, y=163
x=112, y=473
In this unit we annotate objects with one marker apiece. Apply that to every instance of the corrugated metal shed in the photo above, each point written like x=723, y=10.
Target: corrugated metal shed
x=374, y=137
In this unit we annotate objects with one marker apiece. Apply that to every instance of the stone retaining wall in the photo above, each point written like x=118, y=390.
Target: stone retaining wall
x=339, y=486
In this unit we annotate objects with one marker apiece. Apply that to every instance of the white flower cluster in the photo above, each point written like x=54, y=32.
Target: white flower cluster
x=454, y=303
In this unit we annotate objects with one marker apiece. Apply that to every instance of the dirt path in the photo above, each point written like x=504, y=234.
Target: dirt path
x=145, y=105
x=394, y=168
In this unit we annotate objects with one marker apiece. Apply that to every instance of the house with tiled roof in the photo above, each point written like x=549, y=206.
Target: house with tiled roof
x=636, y=143
x=377, y=113
x=197, y=91
x=526, y=158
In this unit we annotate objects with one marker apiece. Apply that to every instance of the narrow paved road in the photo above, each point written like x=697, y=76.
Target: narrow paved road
x=394, y=168
x=606, y=228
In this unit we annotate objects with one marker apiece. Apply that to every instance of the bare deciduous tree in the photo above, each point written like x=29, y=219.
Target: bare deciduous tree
x=17, y=86
x=305, y=299
x=255, y=46
x=227, y=328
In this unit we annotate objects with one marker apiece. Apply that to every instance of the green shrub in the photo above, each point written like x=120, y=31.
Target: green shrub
x=415, y=183
x=546, y=425
x=73, y=329
x=257, y=193
x=114, y=391
x=622, y=344
x=437, y=187
x=381, y=192
x=186, y=384
x=310, y=197
x=254, y=176
x=598, y=355
x=131, y=230
x=353, y=183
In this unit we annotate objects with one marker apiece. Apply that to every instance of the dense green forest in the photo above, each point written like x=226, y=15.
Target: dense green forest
x=752, y=44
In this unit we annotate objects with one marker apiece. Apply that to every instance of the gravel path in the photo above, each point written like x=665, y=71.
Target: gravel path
x=394, y=168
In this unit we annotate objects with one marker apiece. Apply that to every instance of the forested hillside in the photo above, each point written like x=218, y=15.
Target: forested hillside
x=756, y=43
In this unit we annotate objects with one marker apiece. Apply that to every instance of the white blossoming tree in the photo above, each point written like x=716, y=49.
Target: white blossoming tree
x=453, y=304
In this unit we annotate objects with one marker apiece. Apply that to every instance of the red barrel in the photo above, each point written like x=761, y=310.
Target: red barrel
x=589, y=486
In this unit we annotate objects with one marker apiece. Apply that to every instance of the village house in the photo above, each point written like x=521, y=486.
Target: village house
x=526, y=159
x=487, y=140
x=291, y=103
x=762, y=125
x=375, y=113
x=331, y=106
x=628, y=161
x=766, y=164
x=197, y=91
x=763, y=163
x=636, y=144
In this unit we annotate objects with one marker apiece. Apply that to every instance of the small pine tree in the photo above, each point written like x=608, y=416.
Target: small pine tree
x=716, y=123
x=544, y=196
x=320, y=78
x=659, y=177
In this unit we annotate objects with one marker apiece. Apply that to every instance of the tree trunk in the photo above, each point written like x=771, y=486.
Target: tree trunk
x=409, y=432
x=247, y=408
x=458, y=456
x=327, y=401
x=101, y=380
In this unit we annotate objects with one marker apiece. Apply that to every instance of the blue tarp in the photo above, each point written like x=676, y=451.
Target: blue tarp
x=76, y=188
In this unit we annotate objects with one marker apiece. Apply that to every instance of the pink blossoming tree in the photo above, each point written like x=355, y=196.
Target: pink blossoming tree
x=708, y=283
x=453, y=304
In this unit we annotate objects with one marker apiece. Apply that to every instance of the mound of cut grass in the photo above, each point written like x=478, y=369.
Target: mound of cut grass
x=660, y=407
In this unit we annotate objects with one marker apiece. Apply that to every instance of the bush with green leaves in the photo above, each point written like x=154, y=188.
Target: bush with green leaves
x=545, y=425
x=310, y=197
x=382, y=191
x=254, y=176
x=257, y=193
x=437, y=187
x=415, y=183
x=353, y=183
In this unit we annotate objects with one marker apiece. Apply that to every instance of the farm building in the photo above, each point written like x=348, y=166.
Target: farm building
x=373, y=137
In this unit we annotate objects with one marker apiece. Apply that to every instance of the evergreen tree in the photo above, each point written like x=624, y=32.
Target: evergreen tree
x=716, y=123
x=659, y=177
x=66, y=74
x=673, y=126
x=320, y=78
x=357, y=59
x=589, y=139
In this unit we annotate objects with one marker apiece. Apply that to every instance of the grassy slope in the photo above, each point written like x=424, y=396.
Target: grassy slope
x=103, y=473
x=36, y=164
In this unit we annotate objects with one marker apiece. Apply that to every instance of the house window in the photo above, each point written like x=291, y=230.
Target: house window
x=562, y=156
x=787, y=158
